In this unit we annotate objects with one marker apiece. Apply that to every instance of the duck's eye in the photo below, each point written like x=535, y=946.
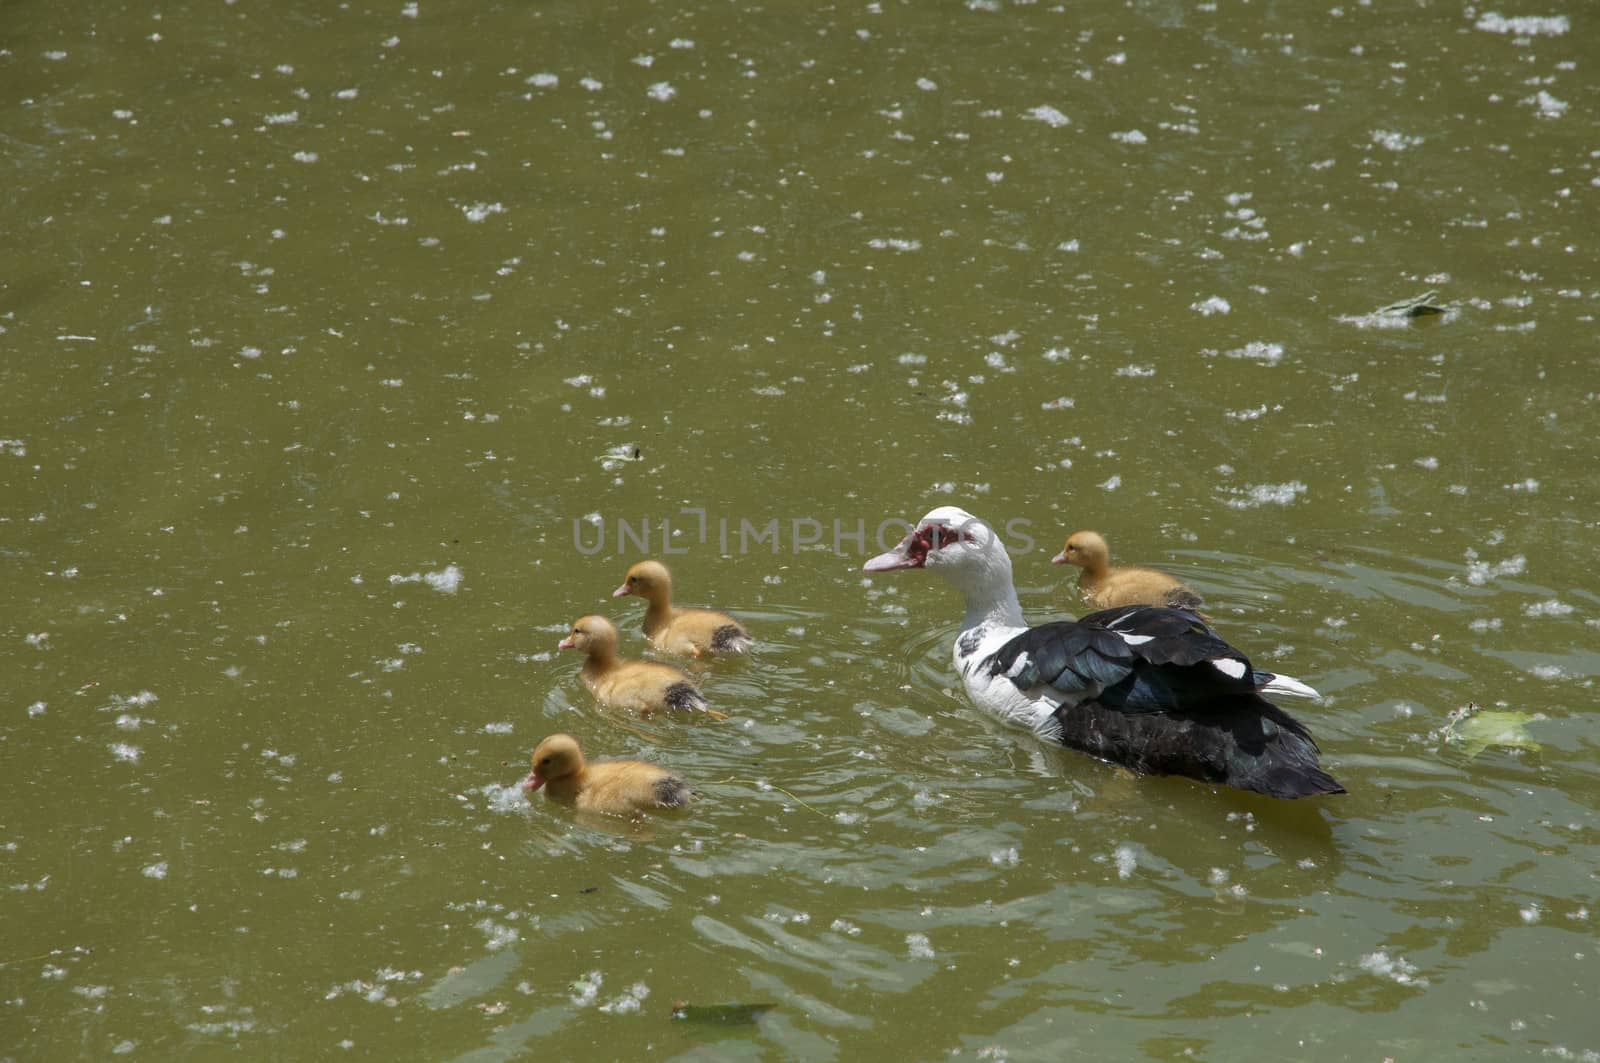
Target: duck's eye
x=545, y=762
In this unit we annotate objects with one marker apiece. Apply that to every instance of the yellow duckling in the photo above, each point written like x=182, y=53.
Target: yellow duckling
x=1106, y=587
x=637, y=686
x=697, y=632
x=612, y=787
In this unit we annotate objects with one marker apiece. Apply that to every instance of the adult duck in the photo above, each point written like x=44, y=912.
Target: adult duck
x=1150, y=688
x=696, y=632
x=613, y=787
x=1105, y=586
x=638, y=686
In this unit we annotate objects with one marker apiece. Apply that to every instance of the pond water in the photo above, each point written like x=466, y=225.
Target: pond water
x=336, y=335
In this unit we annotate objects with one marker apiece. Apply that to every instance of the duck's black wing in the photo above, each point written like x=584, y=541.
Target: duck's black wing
x=1157, y=690
x=1137, y=658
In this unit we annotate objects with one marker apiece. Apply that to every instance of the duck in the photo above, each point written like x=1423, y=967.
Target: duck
x=1105, y=587
x=638, y=686
x=695, y=632
x=1151, y=688
x=612, y=787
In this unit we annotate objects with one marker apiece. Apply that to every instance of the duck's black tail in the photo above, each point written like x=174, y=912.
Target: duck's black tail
x=1266, y=750
x=1238, y=740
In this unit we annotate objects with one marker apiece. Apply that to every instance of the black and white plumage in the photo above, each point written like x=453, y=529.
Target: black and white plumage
x=1151, y=688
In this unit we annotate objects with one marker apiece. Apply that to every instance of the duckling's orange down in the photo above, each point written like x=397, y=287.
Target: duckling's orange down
x=696, y=632
x=637, y=686
x=1106, y=587
x=612, y=787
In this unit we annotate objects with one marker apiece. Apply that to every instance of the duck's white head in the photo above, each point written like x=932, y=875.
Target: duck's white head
x=964, y=549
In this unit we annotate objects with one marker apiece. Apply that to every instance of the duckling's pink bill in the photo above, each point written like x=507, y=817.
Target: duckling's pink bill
x=566, y=644
x=1059, y=559
x=620, y=592
x=531, y=783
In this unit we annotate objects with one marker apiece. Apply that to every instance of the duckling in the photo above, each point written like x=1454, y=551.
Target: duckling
x=1105, y=587
x=613, y=787
x=698, y=632
x=638, y=686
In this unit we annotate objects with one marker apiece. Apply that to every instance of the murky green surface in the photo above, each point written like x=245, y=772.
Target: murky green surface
x=324, y=324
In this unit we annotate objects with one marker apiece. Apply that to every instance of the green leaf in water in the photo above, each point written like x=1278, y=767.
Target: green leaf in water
x=1475, y=730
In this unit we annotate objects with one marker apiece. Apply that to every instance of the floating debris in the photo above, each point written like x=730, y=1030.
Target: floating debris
x=615, y=457
x=720, y=1014
x=1401, y=314
x=1475, y=730
x=1416, y=306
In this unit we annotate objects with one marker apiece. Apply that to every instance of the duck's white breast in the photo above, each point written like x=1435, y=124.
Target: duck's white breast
x=997, y=694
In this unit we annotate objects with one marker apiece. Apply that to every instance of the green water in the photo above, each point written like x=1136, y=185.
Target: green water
x=334, y=333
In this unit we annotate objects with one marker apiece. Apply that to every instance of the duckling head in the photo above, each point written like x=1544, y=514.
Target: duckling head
x=1084, y=549
x=646, y=579
x=557, y=757
x=594, y=635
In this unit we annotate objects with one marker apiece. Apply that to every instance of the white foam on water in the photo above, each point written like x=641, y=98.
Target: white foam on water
x=1386, y=138
x=446, y=580
x=504, y=798
x=1258, y=351
x=1548, y=106
x=583, y=991
x=1048, y=115
x=1394, y=968
x=1523, y=25
x=499, y=935
x=629, y=1001
x=1266, y=495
